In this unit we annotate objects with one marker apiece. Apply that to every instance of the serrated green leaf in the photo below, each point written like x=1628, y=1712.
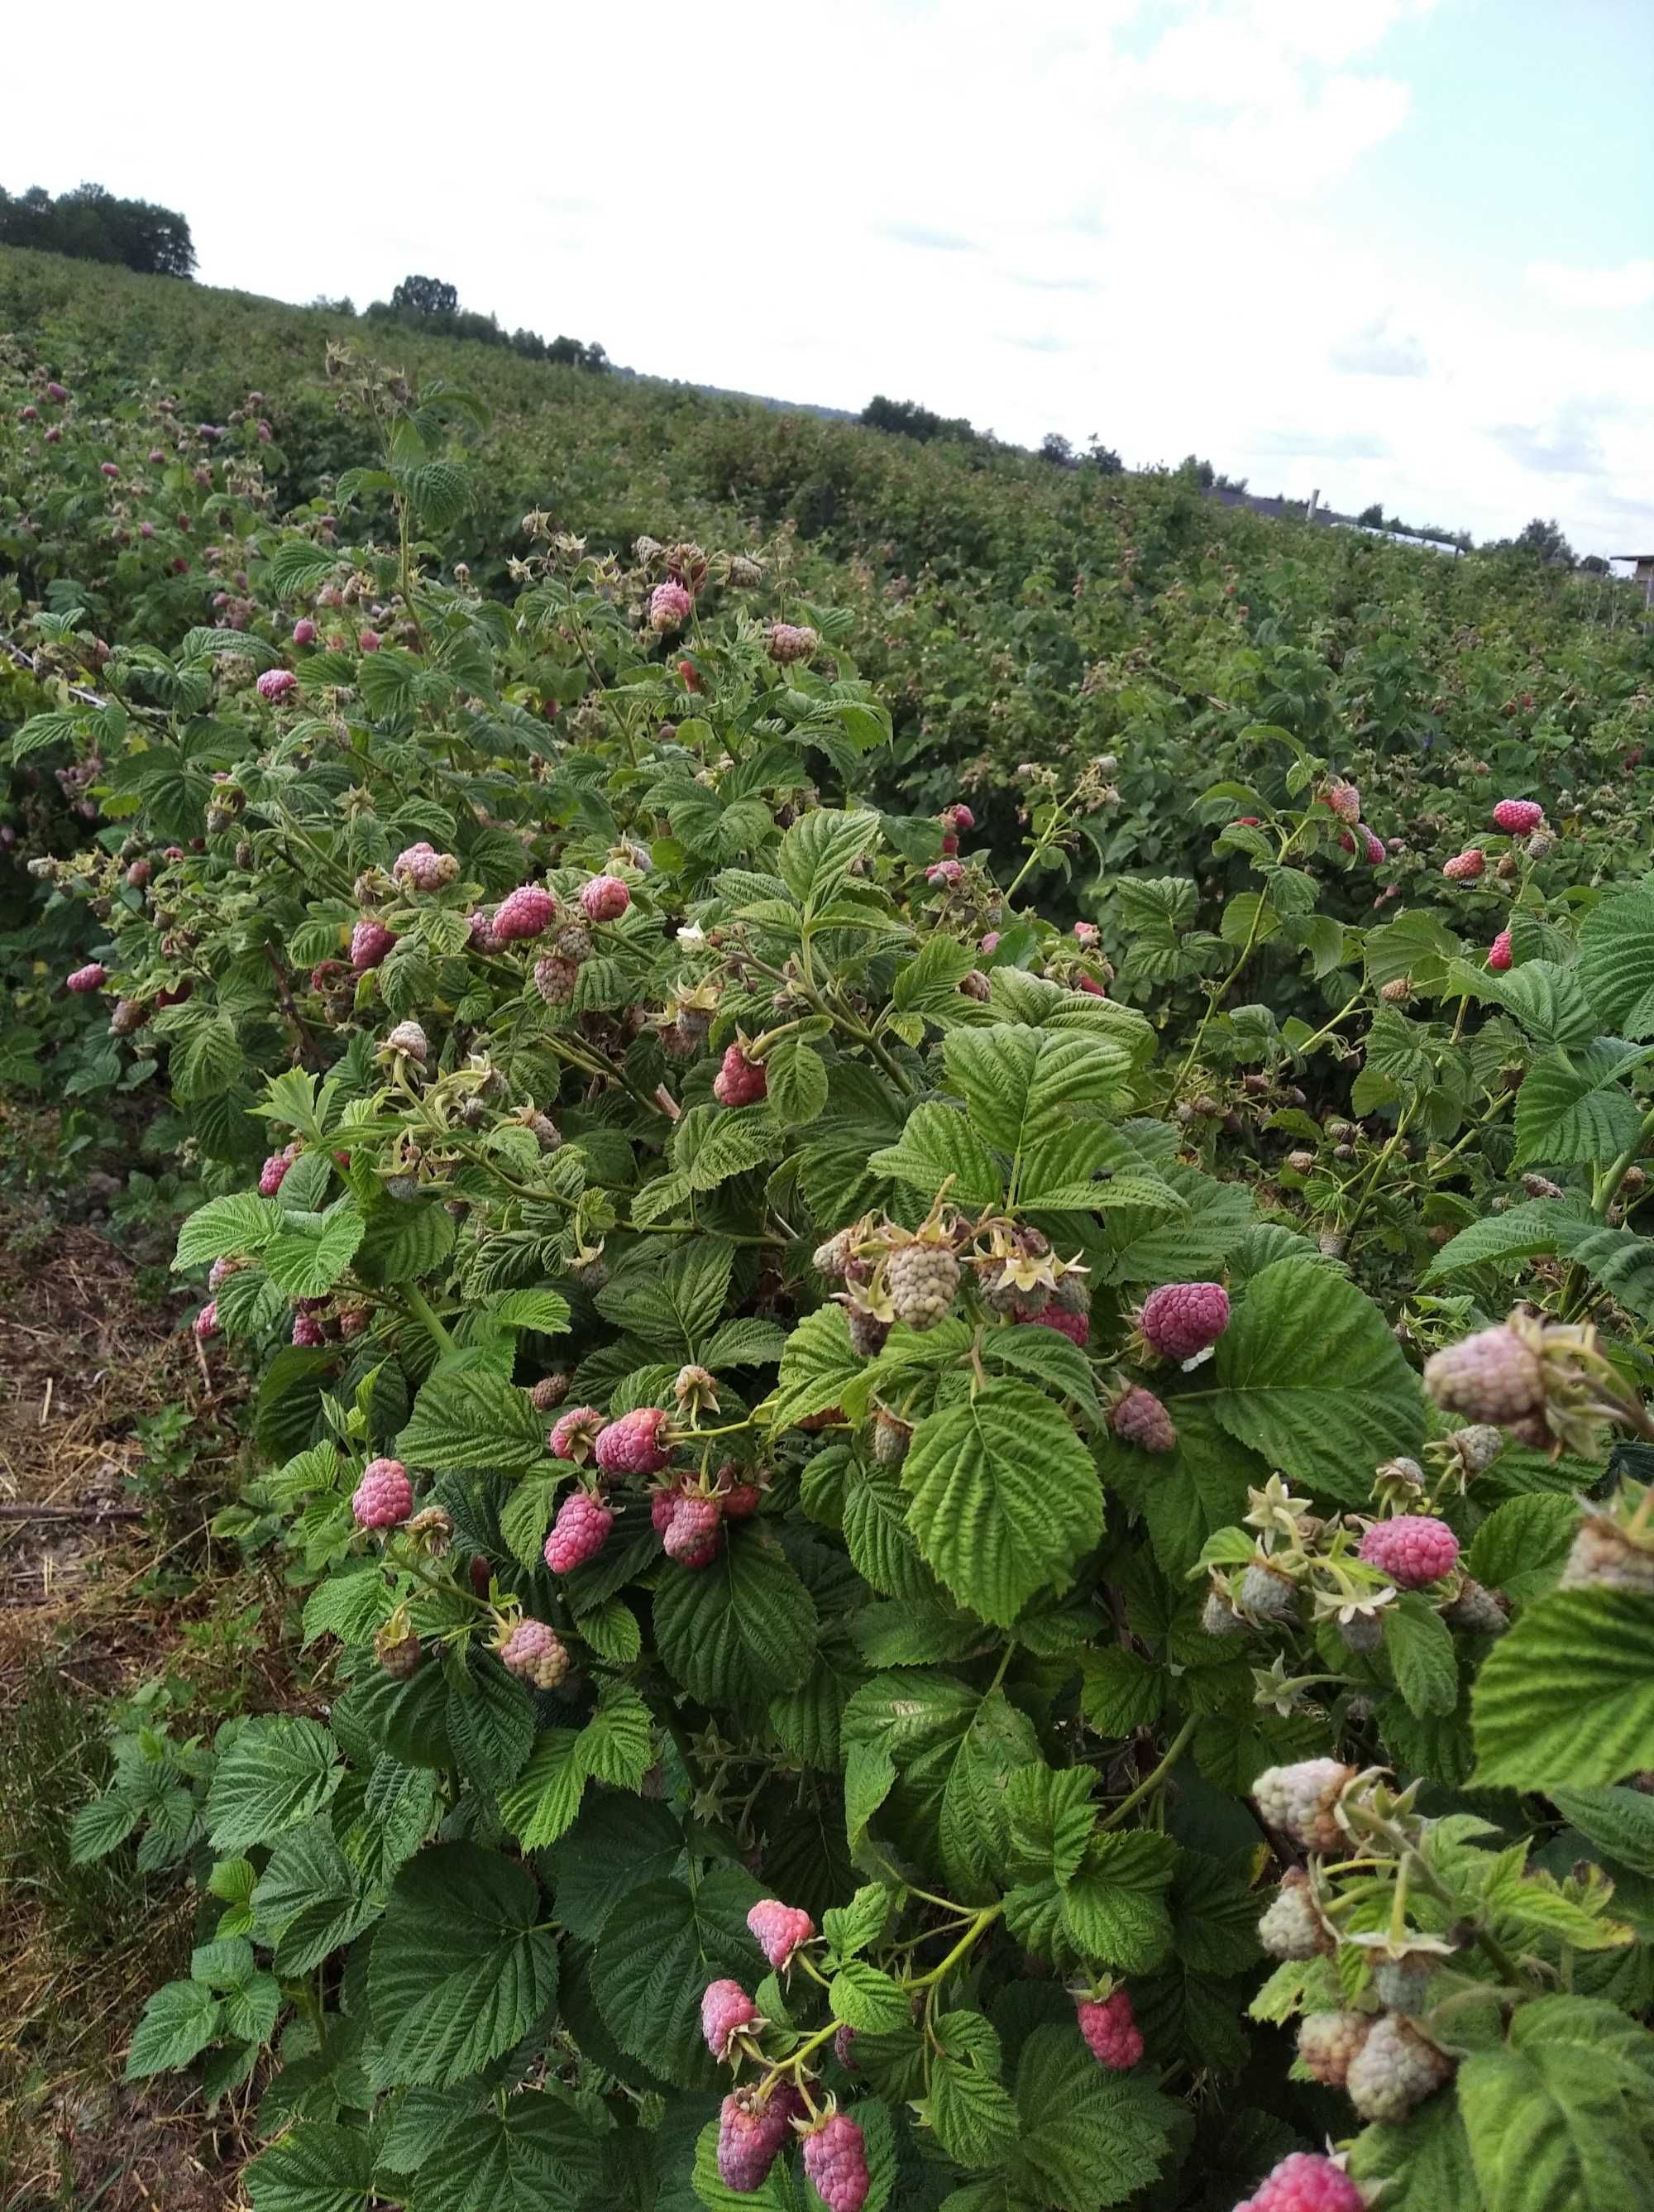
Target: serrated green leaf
x=659, y=1948
x=472, y=1419
x=1005, y=1499
x=1567, y=1697
x=177, y=2023
x=743, y=1627
x=278, y=1773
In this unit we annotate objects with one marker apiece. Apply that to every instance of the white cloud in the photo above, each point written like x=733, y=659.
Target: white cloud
x=1096, y=217
x=1631, y=285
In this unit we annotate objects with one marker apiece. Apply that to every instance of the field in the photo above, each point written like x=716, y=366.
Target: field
x=856, y=1414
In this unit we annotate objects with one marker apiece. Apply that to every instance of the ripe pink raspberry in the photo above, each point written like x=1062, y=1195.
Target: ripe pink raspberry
x=945, y=874
x=1373, y=845
x=273, y=1174
x=109, y=470
x=740, y=1081
x=1180, y=1319
x=751, y=2132
x=738, y=1498
x=605, y=898
x=1299, y=1800
x=959, y=816
x=384, y=1497
x=220, y=1273
x=634, y=1444
x=275, y=684
x=1492, y=1376
x=529, y=911
x=670, y=605
x=1412, y=1550
x=1517, y=816
x=990, y=944
x=1498, y=952
x=1138, y=1417
x=1344, y=799
x=663, y=1504
x=1111, y=2030
x=1076, y=1326
x=692, y=1533
x=1465, y=867
x=369, y=641
x=57, y=392
x=304, y=631
x=780, y=1928
x=579, y=1532
x=575, y=1433
x=206, y=1322
x=791, y=641
x=535, y=1652
x=835, y=2159
x=844, y=2050
x=554, y=978
x=1396, y=2069
x=370, y=941
x=137, y=875
x=421, y=867
x=725, y=2010
x=548, y=1393
x=92, y=977
x=1306, y=2182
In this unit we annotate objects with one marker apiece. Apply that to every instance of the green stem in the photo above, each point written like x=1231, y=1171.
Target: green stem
x=420, y=1306
x=983, y=1920
x=1150, y=1782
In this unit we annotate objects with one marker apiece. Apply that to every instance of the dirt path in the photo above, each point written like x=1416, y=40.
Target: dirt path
x=114, y=1452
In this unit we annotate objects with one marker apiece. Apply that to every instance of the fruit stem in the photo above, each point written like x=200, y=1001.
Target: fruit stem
x=983, y=1920
x=423, y=1311
x=1175, y=1750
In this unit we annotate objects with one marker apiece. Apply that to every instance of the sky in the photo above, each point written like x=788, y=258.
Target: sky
x=1393, y=250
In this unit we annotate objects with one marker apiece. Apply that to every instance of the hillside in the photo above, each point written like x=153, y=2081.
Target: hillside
x=909, y=1192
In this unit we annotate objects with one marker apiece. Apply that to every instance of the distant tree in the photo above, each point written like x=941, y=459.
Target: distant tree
x=1055, y=448
x=344, y=306
x=1103, y=458
x=91, y=224
x=1372, y=518
x=424, y=295
x=1546, y=540
x=905, y=418
x=1594, y=565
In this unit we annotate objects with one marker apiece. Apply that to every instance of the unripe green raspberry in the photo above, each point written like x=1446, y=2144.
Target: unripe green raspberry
x=922, y=1279
x=1300, y=1801
x=1329, y=2043
x=1395, y=2070
x=1291, y=1928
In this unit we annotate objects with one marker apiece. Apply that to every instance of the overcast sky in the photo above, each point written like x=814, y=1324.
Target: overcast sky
x=1397, y=249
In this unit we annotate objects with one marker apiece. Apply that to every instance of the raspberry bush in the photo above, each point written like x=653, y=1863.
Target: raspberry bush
x=942, y=1554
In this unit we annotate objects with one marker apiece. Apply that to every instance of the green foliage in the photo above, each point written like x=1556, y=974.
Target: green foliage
x=836, y=1172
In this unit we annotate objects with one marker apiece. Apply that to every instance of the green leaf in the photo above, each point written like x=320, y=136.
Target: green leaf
x=543, y=1311
x=798, y=1089
x=1419, y=1645
x=299, y=565
x=1522, y=1544
x=1425, y=2160
x=852, y=1927
x=405, y=1241
x=228, y=1227
x=938, y=1146
x=743, y=1627
x=1547, y=1225
x=318, y=2167
x=1575, y=1109
x=459, y=1970
x=1087, y=2138
x=969, y=2109
x=1556, y=2118
x=1309, y=1375
x=1005, y=1497
x=1021, y=1084
x=490, y=1721
x=1566, y=1699
x=819, y=1371
x=659, y=1948
x=866, y=1998
x=209, y=1060
x=820, y=849
x=544, y=1801
x=618, y=1844
x=1120, y=1692
x=1048, y=1356
x=310, y=1901
x=314, y=1250
x=180, y=2020
x=102, y=1825
x=1620, y=1822
x=1616, y=961
x=540, y=2151
x=1115, y=1906
x=472, y=1419
x=277, y=1773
